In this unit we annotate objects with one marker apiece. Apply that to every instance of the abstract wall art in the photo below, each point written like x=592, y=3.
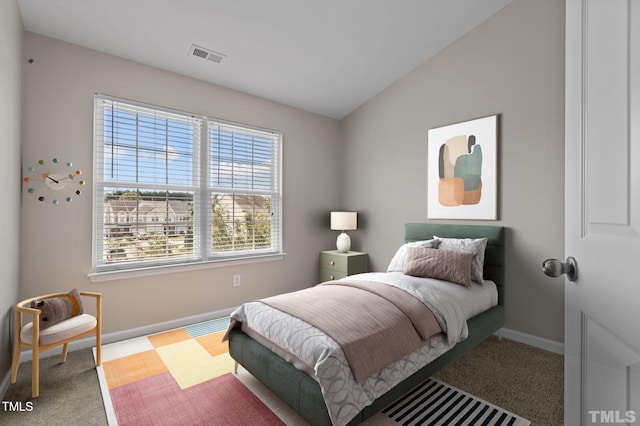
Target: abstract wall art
x=462, y=170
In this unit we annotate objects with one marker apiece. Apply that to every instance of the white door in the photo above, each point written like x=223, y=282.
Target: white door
x=602, y=212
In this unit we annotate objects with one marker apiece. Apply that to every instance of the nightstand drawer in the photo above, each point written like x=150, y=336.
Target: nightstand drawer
x=330, y=275
x=334, y=262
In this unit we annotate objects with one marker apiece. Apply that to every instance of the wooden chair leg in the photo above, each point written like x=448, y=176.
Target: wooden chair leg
x=15, y=364
x=99, y=330
x=98, y=349
x=35, y=372
x=65, y=348
x=16, y=354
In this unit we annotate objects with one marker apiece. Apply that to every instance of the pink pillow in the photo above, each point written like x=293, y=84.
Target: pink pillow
x=447, y=265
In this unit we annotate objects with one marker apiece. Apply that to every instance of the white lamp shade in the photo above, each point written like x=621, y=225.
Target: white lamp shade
x=344, y=221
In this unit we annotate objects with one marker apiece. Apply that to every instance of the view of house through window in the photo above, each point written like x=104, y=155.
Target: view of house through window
x=144, y=225
x=175, y=188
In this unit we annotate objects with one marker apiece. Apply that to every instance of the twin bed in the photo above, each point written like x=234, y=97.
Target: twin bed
x=284, y=341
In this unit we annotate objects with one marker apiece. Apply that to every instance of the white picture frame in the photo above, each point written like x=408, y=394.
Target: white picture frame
x=462, y=170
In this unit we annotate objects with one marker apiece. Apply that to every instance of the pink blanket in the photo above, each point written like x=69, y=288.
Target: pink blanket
x=374, y=324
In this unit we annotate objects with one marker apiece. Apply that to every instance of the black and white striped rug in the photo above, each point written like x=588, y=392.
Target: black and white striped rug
x=436, y=403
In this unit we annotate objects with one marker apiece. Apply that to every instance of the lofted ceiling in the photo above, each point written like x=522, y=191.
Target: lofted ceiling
x=323, y=56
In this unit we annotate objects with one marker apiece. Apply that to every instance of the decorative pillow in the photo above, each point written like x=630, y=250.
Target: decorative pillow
x=400, y=258
x=57, y=309
x=445, y=265
x=475, y=246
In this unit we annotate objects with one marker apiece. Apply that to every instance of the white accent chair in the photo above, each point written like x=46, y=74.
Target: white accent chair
x=58, y=334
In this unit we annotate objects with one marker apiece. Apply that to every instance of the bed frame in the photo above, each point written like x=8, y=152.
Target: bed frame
x=303, y=394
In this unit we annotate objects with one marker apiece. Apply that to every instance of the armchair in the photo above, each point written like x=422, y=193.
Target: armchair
x=31, y=335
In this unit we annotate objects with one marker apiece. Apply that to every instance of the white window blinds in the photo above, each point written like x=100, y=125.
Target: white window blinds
x=244, y=180
x=175, y=188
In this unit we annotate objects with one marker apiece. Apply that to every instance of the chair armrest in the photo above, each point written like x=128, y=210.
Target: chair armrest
x=28, y=310
x=20, y=310
x=98, y=297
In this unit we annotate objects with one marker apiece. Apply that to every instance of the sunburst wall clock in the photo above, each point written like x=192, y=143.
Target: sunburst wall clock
x=54, y=182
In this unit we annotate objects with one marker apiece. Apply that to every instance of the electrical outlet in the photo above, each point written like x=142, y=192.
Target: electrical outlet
x=236, y=280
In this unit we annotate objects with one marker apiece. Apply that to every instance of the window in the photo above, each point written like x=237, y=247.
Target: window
x=174, y=188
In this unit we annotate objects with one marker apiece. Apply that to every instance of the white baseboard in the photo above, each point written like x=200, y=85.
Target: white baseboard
x=90, y=342
x=535, y=341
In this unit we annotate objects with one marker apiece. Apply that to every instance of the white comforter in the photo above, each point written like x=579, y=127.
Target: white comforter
x=314, y=351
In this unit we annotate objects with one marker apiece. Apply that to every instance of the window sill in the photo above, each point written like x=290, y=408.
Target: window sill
x=172, y=269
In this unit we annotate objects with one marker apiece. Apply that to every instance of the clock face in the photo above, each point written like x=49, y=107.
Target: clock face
x=54, y=181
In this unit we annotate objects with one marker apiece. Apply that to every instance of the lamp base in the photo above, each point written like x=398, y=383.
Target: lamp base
x=343, y=243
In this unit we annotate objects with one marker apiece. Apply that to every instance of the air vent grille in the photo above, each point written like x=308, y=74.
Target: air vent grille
x=208, y=54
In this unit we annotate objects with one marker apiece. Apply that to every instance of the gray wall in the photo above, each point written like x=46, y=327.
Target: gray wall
x=11, y=53
x=58, y=122
x=512, y=65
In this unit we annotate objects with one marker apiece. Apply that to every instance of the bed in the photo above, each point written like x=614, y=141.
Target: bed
x=303, y=391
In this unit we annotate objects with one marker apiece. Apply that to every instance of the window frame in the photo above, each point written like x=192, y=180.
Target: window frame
x=203, y=254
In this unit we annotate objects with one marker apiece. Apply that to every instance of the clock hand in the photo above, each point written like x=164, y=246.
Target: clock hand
x=70, y=176
x=49, y=177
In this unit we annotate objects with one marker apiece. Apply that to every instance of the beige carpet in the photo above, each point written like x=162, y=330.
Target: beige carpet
x=516, y=377
x=69, y=394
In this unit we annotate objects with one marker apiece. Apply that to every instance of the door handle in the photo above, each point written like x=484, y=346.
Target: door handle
x=555, y=268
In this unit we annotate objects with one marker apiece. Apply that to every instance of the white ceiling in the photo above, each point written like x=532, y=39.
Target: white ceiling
x=324, y=56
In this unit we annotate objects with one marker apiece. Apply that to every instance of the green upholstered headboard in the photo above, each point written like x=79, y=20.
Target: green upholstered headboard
x=494, y=253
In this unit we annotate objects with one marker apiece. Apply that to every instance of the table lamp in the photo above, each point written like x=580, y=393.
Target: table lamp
x=344, y=221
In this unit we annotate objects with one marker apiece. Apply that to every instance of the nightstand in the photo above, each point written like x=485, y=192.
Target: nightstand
x=335, y=265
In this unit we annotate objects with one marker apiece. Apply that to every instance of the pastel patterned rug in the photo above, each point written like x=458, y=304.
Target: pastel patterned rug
x=178, y=377
x=184, y=377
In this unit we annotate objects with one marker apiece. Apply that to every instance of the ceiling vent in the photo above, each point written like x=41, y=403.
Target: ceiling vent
x=203, y=53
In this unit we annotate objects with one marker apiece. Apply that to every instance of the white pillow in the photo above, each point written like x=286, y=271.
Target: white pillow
x=475, y=246
x=399, y=259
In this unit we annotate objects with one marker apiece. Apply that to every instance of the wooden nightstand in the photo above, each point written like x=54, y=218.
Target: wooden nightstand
x=335, y=265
